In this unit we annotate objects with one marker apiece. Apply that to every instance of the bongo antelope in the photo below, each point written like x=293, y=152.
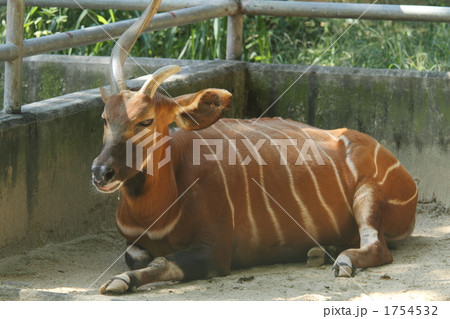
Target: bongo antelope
x=271, y=204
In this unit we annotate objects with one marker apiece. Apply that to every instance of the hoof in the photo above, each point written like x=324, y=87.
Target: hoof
x=318, y=256
x=343, y=267
x=117, y=285
x=342, y=270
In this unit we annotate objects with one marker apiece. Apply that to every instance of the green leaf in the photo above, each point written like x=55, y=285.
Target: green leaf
x=101, y=19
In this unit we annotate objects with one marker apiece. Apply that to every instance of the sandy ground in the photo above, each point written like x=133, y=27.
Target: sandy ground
x=75, y=270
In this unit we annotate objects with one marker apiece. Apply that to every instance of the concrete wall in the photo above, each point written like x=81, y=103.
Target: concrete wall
x=46, y=152
x=407, y=111
x=44, y=176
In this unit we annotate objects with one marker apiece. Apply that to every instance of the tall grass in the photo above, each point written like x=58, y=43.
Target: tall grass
x=368, y=44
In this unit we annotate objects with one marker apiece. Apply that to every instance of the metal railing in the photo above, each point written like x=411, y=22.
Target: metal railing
x=180, y=12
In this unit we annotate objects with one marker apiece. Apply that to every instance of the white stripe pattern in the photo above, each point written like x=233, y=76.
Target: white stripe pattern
x=336, y=173
x=224, y=179
x=269, y=208
x=375, y=158
x=400, y=202
x=154, y=234
x=132, y=231
x=317, y=188
x=349, y=162
x=306, y=216
x=160, y=233
x=251, y=218
x=390, y=169
x=330, y=135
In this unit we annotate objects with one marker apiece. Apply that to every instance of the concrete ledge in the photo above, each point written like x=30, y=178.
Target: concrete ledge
x=46, y=152
x=47, y=76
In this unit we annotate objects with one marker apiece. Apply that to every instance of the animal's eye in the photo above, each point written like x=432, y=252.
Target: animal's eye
x=146, y=123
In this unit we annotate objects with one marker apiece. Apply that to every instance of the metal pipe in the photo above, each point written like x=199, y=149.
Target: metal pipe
x=9, y=51
x=347, y=10
x=70, y=39
x=166, y=5
x=234, y=37
x=91, y=35
x=13, y=69
x=278, y=8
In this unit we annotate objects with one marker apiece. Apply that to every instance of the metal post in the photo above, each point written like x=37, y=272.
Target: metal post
x=234, y=35
x=13, y=68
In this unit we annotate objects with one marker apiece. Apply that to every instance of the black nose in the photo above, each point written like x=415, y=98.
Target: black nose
x=102, y=174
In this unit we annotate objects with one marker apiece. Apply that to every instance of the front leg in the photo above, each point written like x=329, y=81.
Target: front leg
x=160, y=269
x=136, y=257
x=197, y=262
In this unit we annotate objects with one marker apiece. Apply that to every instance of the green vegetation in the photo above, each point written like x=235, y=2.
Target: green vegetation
x=369, y=44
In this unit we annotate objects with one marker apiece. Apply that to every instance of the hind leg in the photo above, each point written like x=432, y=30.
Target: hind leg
x=368, y=206
x=318, y=256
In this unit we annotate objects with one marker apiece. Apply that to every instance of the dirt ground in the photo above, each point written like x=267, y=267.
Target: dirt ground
x=75, y=270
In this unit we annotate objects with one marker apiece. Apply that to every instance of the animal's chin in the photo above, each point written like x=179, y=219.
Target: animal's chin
x=110, y=188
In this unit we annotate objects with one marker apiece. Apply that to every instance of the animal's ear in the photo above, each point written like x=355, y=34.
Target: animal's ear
x=199, y=110
x=106, y=94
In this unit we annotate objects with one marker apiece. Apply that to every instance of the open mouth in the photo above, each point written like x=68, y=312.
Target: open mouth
x=110, y=188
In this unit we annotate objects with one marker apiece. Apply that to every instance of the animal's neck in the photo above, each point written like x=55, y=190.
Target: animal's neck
x=146, y=197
